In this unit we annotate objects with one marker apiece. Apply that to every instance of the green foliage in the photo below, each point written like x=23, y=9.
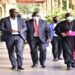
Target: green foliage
x=23, y=8
x=60, y=14
x=28, y=8
x=64, y=4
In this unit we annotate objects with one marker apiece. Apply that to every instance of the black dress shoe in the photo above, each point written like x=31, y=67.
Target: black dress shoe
x=13, y=67
x=73, y=65
x=20, y=68
x=59, y=58
x=55, y=59
x=43, y=66
x=34, y=65
x=68, y=66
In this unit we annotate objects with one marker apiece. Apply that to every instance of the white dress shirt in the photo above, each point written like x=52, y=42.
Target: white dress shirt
x=14, y=25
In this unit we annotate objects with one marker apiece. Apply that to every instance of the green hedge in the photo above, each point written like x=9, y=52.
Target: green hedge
x=60, y=14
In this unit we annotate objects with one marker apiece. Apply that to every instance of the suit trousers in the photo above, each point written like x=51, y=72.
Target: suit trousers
x=56, y=47
x=36, y=45
x=14, y=45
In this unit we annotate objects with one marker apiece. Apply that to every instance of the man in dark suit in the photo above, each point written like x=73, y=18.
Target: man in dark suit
x=38, y=34
x=14, y=33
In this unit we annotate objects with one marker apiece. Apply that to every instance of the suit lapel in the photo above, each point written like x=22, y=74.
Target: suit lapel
x=32, y=25
x=8, y=23
x=40, y=25
x=19, y=23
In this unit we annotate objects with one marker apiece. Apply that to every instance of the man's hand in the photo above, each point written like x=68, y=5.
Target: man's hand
x=25, y=42
x=63, y=34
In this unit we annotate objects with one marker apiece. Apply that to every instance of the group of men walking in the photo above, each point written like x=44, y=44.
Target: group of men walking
x=15, y=31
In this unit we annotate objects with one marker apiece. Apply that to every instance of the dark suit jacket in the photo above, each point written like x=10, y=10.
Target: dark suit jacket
x=5, y=27
x=44, y=32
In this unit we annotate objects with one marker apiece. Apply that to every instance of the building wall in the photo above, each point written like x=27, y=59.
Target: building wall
x=1, y=9
x=5, y=5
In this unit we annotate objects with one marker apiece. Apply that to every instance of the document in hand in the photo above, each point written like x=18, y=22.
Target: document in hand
x=70, y=33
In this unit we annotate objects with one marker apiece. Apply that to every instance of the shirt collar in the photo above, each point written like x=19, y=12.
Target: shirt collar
x=13, y=19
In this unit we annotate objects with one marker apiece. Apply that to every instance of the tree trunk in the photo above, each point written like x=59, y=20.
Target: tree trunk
x=67, y=3
x=52, y=6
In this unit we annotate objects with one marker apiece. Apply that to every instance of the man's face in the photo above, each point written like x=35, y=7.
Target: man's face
x=69, y=18
x=13, y=13
x=36, y=17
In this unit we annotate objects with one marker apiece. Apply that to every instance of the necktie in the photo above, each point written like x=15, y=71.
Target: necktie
x=36, y=34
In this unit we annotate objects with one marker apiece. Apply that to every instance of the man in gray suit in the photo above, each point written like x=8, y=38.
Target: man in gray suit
x=38, y=34
x=14, y=35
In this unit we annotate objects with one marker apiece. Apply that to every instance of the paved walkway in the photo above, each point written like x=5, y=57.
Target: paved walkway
x=52, y=68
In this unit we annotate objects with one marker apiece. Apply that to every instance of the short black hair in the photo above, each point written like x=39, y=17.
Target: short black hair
x=55, y=20
x=34, y=13
x=18, y=15
x=68, y=14
x=11, y=10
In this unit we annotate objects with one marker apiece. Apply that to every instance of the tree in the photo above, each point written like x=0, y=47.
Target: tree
x=27, y=8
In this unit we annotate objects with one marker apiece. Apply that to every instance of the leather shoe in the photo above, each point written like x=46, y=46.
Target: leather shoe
x=20, y=68
x=13, y=67
x=73, y=65
x=55, y=59
x=43, y=66
x=59, y=58
x=34, y=65
x=68, y=66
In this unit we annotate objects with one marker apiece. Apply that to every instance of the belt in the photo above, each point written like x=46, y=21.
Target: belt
x=15, y=34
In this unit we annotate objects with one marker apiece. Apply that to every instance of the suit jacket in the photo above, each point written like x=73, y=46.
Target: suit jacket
x=44, y=32
x=5, y=27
